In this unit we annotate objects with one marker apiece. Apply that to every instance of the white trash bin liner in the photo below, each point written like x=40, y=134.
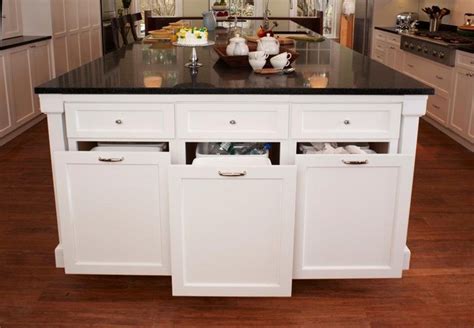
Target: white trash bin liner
x=206, y=156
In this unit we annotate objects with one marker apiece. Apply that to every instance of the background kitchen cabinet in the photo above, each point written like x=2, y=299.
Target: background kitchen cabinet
x=462, y=113
x=21, y=85
x=6, y=123
x=351, y=221
x=11, y=19
x=40, y=60
x=114, y=215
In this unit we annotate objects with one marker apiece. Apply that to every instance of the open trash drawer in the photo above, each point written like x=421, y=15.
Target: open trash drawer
x=113, y=210
x=352, y=215
x=232, y=229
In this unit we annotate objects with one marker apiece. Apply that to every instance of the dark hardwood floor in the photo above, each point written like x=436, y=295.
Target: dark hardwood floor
x=437, y=292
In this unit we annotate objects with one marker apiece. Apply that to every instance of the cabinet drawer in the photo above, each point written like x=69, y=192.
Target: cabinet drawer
x=438, y=108
x=465, y=60
x=234, y=120
x=394, y=39
x=379, y=55
x=342, y=121
x=119, y=121
x=438, y=76
x=379, y=35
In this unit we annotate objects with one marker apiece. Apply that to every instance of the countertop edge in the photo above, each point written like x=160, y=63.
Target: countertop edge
x=256, y=91
x=24, y=42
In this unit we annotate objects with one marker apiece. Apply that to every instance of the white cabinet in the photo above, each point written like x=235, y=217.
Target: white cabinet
x=6, y=123
x=387, y=50
x=232, y=235
x=351, y=215
x=114, y=215
x=11, y=19
x=21, y=85
x=463, y=104
x=40, y=60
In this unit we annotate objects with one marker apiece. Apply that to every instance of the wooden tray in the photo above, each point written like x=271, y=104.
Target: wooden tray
x=282, y=39
x=243, y=61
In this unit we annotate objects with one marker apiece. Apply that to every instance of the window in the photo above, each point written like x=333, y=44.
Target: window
x=159, y=7
x=330, y=9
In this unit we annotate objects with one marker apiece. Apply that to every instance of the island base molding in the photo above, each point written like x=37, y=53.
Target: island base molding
x=232, y=226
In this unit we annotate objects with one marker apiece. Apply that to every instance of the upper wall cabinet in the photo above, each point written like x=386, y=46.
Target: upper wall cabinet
x=11, y=19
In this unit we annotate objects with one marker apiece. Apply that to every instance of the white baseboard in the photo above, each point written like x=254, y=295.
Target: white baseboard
x=15, y=133
x=406, y=258
x=449, y=133
x=59, y=256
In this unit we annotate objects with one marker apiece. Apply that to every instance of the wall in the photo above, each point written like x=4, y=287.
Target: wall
x=458, y=9
x=195, y=7
x=385, y=11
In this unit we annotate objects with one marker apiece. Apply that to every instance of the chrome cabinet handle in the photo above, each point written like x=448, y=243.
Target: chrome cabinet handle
x=3, y=16
x=356, y=162
x=347, y=122
x=111, y=160
x=118, y=122
x=232, y=174
x=410, y=65
x=232, y=122
x=439, y=77
x=472, y=62
x=436, y=106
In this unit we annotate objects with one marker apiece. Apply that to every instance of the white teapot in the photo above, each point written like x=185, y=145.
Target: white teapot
x=269, y=44
x=237, y=47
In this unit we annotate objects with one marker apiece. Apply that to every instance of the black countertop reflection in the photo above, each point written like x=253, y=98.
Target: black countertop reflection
x=21, y=41
x=321, y=68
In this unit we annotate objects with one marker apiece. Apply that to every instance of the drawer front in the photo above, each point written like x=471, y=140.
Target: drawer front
x=394, y=39
x=379, y=35
x=465, y=60
x=120, y=121
x=438, y=108
x=342, y=121
x=438, y=76
x=239, y=121
x=379, y=56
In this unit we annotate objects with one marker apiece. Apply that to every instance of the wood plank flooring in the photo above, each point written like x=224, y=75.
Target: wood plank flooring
x=437, y=292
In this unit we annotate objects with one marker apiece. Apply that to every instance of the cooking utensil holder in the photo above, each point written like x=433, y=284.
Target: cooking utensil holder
x=435, y=23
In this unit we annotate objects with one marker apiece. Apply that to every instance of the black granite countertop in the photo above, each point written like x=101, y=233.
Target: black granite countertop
x=389, y=29
x=321, y=68
x=21, y=41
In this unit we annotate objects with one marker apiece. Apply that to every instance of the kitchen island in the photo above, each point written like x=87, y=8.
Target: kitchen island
x=231, y=227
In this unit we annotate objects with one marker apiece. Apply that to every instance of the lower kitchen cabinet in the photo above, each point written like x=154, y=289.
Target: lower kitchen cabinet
x=232, y=230
x=351, y=215
x=40, y=58
x=5, y=109
x=113, y=209
x=21, y=85
x=462, y=113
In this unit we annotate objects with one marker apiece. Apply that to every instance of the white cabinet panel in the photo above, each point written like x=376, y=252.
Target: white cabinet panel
x=84, y=19
x=342, y=121
x=12, y=19
x=120, y=121
x=232, y=120
x=40, y=59
x=60, y=55
x=232, y=236
x=6, y=122
x=96, y=43
x=21, y=85
x=351, y=219
x=438, y=108
x=94, y=13
x=58, y=17
x=463, y=102
x=85, y=46
x=73, y=51
x=114, y=216
x=72, y=14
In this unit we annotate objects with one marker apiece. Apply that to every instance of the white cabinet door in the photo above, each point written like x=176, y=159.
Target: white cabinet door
x=11, y=19
x=351, y=217
x=463, y=102
x=21, y=85
x=114, y=215
x=40, y=59
x=6, y=122
x=232, y=236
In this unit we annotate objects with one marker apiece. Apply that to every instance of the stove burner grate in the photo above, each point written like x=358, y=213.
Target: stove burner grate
x=445, y=37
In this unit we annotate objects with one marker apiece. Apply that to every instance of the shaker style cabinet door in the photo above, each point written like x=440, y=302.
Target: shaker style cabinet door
x=113, y=209
x=463, y=103
x=232, y=230
x=21, y=85
x=351, y=215
x=40, y=59
x=11, y=19
x=6, y=121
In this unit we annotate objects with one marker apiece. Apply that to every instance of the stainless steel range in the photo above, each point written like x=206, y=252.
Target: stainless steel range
x=437, y=46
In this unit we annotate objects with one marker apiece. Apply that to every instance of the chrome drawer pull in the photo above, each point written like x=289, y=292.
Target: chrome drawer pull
x=439, y=77
x=118, y=122
x=356, y=162
x=436, y=106
x=347, y=122
x=232, y=122
x=232, y=174
x=111, y=160
x=410, y=65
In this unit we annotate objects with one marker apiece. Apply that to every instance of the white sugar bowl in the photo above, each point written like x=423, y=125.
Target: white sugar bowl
x=237, y=47
x=269, y=44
